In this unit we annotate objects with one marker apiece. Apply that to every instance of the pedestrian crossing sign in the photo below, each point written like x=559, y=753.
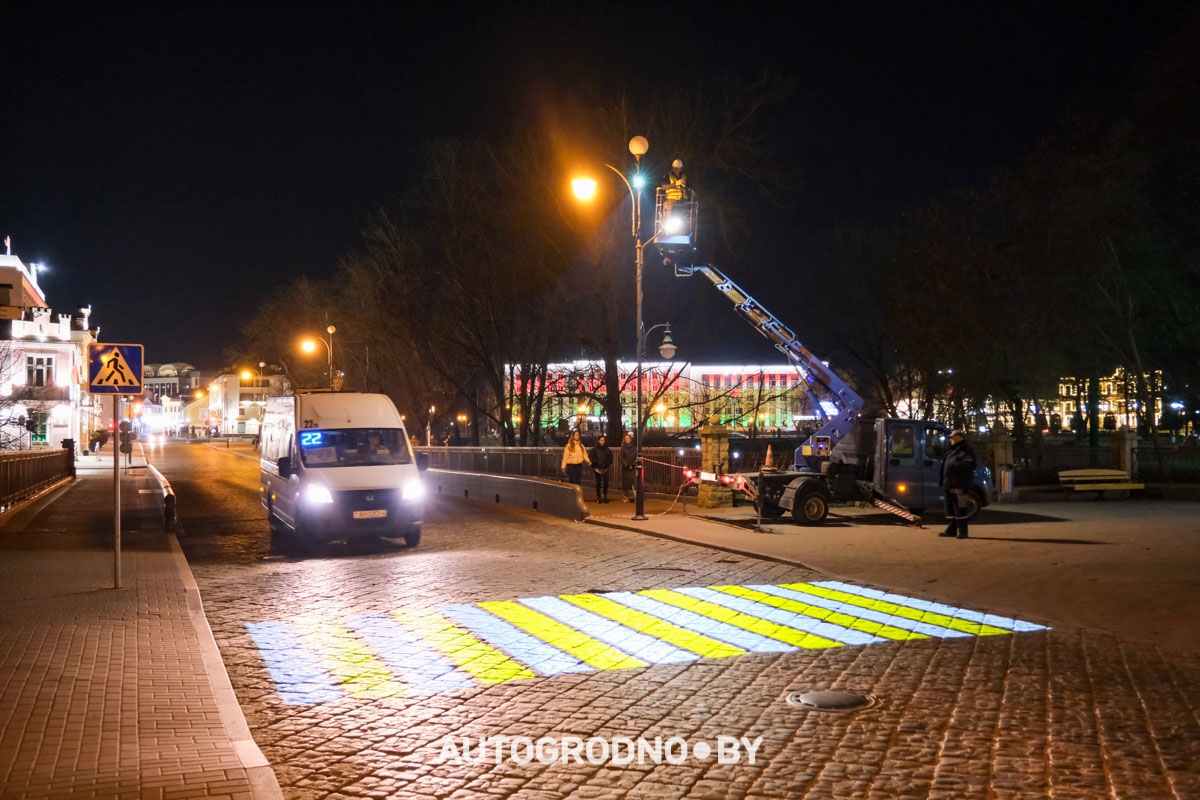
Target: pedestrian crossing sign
x=115, y=368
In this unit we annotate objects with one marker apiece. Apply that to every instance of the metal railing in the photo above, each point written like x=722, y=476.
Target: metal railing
x=1039, y=466
x=664, y=465
x=1180, y=464
x=25, y=474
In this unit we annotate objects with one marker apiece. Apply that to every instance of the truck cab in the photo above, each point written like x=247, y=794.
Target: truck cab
x=907, y=465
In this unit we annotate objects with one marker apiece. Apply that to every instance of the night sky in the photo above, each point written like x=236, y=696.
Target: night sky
x=171, y=167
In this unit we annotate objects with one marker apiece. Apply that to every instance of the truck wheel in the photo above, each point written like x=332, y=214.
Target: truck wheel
x=973, y=504
x=768, y=509
x=412, y=537
x=811, y=508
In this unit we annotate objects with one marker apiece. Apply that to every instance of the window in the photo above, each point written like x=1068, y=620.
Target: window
x=38, y=418
x=902, y=441
x=936, y=444
x=353, y=447
x=39, y=370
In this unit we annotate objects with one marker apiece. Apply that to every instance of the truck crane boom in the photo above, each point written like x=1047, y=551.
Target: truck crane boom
x=838, y=405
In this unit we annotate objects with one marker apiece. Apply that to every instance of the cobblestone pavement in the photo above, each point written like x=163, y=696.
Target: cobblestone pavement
x=1058, y=714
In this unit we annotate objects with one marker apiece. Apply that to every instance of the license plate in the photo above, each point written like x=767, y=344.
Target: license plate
x=372, y=514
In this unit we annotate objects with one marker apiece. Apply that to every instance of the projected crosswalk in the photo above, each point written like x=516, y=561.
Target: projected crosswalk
x=458, y=646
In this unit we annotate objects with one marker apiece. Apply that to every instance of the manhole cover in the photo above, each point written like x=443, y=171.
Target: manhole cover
x=831, y=701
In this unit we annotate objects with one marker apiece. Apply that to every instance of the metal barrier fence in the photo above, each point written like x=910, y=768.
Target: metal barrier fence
x=1180, y=464
x=24, y=474
x=1040, y=466
x=664, y=465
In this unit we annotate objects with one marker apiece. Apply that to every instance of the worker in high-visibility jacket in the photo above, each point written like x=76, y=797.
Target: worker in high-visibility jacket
x=676, y=181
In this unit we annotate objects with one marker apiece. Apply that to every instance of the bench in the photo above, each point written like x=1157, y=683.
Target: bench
x=1113, y=483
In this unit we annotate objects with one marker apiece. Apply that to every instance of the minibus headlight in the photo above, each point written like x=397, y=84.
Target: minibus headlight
x=413, y=491
x=317, y=494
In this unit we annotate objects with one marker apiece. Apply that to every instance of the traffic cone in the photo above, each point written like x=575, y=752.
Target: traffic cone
x=769, y=463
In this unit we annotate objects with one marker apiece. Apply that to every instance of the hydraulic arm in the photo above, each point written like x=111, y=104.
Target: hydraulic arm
x=837, y=404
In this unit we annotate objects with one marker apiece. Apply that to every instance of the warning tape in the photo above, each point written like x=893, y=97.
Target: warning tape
x=663, y=463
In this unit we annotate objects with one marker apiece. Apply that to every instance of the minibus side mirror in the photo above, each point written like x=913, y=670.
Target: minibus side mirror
x=422, y=461
x=285, y=466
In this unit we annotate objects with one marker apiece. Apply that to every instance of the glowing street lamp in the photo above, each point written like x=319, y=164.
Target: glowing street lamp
x=310, y=346
x=259, y=401
x=585, y=189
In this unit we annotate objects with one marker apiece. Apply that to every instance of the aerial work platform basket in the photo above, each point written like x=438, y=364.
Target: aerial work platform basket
x=676, y=223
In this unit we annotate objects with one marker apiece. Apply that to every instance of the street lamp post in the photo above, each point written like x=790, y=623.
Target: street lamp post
x=309, y=345
x=584, y=189
x=258, y=400
x=330, y=330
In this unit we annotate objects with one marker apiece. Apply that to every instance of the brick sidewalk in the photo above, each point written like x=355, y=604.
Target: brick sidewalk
x=103, y=692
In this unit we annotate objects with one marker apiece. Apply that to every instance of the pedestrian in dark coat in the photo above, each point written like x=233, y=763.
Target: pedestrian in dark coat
x=602, y=459
x=628, y=468
x=957, y=478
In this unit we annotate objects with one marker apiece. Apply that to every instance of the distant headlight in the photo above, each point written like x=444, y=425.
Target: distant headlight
x=317, y=494
x=413, y=491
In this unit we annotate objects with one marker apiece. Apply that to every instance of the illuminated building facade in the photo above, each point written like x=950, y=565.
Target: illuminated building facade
x=43, y=371
x=1118, y=399
x=678, y=397
x=235, y=405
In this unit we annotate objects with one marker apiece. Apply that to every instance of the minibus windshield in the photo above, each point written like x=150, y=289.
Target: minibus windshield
x=353, y=447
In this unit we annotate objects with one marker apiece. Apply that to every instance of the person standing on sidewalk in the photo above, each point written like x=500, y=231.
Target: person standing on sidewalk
x=602, y=459
x=574, y=457
x=958, y=471
x=628, y=468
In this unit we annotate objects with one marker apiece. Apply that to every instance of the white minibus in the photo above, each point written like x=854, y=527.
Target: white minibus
x=339, y=466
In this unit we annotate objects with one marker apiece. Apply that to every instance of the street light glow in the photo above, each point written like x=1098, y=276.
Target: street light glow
x=639, y=181
x=246, y=375
x=308, y=345
x=584, y=188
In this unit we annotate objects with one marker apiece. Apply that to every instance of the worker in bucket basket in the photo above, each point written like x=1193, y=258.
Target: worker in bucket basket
x=676, y=182
x=958, y=470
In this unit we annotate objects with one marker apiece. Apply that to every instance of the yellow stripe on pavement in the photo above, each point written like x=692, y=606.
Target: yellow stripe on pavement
x=882, y=606
x=351, y=663
x=482, y=661
x=762, y=627
x=823, y=614
x=653, y=626
x=588, y=650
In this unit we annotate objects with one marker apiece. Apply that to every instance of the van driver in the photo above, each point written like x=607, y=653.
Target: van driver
x=374, y=444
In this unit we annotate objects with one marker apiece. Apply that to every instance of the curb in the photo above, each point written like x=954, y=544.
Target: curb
x=170, y=508
x=263, y=783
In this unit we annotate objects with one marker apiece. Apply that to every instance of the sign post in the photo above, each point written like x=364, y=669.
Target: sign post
x=116, y=369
